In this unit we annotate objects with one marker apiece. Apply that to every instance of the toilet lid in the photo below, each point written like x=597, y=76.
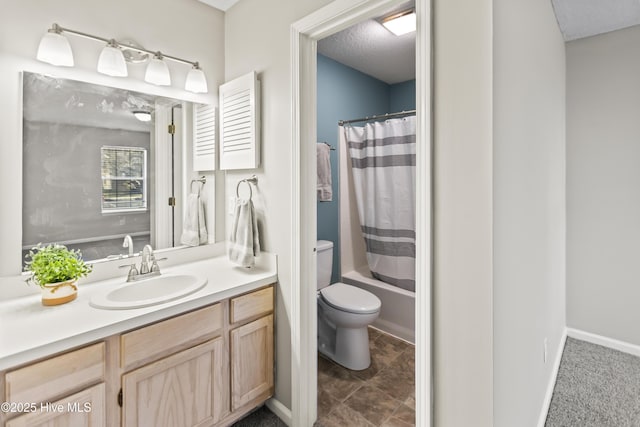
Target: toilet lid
x=351, y=299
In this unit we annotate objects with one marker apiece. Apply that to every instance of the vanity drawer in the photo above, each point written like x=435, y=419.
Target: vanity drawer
x=251, y=305
x=56, y=376
x=166, y=337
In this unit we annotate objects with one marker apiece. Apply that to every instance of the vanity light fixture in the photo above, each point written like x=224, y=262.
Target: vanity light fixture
x=111, y=61
x=158, y=72
x=196, y=80
x=54, y=49
x=401, y=23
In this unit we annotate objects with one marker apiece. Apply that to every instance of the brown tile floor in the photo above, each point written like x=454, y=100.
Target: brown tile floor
x=382, y=395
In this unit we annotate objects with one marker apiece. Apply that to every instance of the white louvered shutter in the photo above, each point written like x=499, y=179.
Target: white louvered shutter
x=204, y=137
x=240, y=123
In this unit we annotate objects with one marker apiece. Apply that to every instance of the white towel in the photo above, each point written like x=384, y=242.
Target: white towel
x=194, y=229
x=325, y=194
x=244, y=242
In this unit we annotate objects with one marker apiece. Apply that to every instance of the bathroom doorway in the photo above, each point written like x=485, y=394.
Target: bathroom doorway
x=305, y=35
x=366, y=102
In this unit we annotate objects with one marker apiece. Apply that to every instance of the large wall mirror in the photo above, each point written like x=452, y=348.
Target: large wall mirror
x=99, y=164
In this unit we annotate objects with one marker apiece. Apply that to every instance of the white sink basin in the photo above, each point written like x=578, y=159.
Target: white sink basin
x=152, y=291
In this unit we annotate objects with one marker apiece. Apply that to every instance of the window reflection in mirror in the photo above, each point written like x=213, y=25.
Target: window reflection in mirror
x=90, y=155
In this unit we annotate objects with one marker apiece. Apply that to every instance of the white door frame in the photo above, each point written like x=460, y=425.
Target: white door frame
x=305, y=33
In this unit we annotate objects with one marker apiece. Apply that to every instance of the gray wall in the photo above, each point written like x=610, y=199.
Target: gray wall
x=462, y=246
x=528, y=207
x=62, y=186
x=603, y=185
x=257, y=37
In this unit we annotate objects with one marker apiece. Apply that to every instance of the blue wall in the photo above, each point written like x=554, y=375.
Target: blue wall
x=402, y=96
x=345, y=93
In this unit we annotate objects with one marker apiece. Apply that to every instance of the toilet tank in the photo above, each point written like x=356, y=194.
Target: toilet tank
x=324, y=250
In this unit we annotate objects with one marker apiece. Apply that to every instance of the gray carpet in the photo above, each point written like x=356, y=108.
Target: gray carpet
x=596, y=387
x=262, y=417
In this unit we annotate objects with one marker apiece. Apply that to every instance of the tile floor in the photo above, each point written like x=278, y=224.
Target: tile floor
x=382, y=395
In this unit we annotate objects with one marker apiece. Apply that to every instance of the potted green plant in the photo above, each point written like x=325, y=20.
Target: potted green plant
x=55, y=269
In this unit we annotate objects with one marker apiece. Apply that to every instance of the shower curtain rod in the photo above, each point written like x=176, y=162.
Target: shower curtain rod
x=379, y=117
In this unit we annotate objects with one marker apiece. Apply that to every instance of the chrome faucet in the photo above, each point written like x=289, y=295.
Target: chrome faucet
x=128, y=243
x=148, y=266
x=147, y=257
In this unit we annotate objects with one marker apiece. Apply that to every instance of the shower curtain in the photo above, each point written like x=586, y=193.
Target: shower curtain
x=383, y=160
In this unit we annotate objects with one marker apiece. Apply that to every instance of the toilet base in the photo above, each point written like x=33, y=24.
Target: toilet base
x=344, y=337
x=351, y=348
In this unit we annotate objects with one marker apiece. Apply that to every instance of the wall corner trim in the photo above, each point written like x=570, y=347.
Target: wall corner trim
x=552, y=380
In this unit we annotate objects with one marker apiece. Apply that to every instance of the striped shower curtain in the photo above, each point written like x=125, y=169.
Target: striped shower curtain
x=383, y=160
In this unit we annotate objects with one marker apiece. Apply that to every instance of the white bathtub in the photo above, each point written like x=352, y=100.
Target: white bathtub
x=397, y=315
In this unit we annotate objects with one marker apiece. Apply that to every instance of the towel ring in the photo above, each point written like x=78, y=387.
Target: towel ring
x=199, y=186
x=238, y=188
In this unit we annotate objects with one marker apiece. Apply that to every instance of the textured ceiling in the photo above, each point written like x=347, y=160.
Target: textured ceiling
x=372, y=49
x=368, y=47
x=53, y=100
x=584, y=18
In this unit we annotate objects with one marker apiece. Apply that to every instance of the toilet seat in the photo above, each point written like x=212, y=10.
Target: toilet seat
x=350, y=299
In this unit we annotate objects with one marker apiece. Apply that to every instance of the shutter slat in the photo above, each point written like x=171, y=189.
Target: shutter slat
x=204, y=137
x=240, y=123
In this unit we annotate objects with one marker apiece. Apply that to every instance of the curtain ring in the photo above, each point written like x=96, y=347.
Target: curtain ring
x=238, y=188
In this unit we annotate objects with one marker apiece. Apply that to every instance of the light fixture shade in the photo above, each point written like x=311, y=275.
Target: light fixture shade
x=196, y=81
x=54, y=48
x=401, y=24
x=143, y=116
x=157, y=72
x=111, y=62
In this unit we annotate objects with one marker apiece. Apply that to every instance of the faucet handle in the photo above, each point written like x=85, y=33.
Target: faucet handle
x=154, y=266
x=144, y=267
x=133, y=271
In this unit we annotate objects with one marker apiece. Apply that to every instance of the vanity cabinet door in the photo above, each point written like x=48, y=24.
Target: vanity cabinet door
x=185, y=389
x=252, y=362
x=83, y=409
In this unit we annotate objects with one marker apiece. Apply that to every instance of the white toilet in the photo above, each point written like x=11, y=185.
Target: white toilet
x=344, y=312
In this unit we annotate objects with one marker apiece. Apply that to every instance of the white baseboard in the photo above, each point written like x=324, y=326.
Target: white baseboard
x=552, y=381
x=280, y=410
x=622, y=346
x=584, y=336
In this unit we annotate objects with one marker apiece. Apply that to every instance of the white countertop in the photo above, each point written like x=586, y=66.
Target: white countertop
x=29, y=330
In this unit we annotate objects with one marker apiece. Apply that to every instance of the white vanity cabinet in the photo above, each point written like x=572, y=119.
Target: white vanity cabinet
x=207, y=367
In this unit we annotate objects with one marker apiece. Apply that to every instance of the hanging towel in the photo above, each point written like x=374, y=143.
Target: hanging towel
x=194, y=229
x=325, y=194
x=244, y=242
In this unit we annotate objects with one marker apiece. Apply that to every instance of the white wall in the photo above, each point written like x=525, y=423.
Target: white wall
x=462, y=347
x=603, y=185
x=187, y=29
x=257, y=38
x=529, y=206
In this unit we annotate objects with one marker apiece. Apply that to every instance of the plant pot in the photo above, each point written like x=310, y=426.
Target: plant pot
x=59, y=293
